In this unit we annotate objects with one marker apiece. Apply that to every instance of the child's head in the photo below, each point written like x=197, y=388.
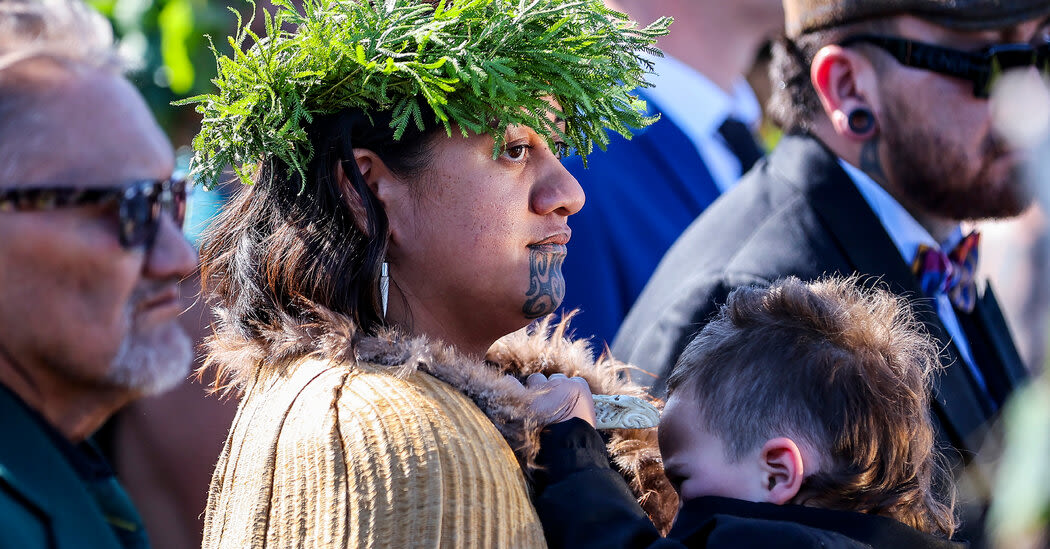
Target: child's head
x=810, y=393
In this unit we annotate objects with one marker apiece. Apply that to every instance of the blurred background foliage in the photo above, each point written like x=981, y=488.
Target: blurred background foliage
x=166, y=42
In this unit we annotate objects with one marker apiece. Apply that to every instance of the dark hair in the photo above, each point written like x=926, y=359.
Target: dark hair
x=793, y=104
x=283, y=246
x=844, y=371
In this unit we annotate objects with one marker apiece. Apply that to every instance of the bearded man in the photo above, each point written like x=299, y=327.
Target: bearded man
x=890, y=148
x=91, y=251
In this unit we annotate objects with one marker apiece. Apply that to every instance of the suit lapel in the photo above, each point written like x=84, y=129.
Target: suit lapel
x=804, y=162
x=994, y=346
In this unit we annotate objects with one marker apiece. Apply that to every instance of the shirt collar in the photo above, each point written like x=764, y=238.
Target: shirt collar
x=903, y=229
x=695, y=103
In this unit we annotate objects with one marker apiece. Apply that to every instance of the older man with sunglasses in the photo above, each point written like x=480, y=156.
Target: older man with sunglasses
x=91, y=252
x=890, y=148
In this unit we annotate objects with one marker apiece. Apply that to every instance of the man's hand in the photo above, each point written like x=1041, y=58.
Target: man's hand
x=561, y=398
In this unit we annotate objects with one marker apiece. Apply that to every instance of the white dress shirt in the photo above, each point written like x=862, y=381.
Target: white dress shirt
x=908, y=234
x=699, y=107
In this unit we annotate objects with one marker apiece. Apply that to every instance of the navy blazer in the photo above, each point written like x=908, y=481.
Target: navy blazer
x=641, y=195
x=798, y=213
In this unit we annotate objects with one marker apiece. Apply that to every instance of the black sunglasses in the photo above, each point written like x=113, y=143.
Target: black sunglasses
x=140, y=204
x=982, y=67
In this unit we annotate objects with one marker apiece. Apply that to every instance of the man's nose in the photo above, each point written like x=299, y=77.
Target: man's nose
x=171, y=255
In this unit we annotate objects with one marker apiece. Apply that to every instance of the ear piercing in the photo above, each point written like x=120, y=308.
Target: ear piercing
x=861, y=121
x=384, y=286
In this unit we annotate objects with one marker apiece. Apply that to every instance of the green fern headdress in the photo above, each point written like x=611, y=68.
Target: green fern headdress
x=476, y=65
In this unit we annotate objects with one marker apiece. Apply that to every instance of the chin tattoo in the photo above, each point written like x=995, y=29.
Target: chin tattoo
x=546, y=283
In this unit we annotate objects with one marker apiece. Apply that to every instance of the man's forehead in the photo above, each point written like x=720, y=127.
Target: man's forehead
x=65, y=125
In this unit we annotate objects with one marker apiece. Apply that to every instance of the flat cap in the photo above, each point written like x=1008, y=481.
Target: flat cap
x=802, y=16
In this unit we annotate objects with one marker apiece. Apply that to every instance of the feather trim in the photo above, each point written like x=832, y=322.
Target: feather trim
x=494, y=385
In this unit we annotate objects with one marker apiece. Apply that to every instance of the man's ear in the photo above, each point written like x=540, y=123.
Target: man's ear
x=781, y=462
x=846, y=83
x=376, y=177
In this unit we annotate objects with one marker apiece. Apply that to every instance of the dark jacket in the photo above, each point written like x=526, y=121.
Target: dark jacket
x=798, y=213
x=583, y=503
x=44, y=503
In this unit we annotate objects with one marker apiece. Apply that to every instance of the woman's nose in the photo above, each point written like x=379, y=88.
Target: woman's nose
x=558, y=193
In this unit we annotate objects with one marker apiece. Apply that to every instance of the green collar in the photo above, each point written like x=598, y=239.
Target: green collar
x=37, y=471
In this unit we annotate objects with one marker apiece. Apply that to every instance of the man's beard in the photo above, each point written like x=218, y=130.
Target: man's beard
x=930, y=173
x=150, y=361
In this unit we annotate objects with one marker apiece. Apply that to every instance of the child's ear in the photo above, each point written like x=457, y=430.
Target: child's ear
x=781, y=462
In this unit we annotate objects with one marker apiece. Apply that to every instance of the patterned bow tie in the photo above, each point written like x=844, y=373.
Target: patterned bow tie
x=951, y=273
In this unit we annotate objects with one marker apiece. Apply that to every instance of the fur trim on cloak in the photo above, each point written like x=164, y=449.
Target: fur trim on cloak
x=545, y=349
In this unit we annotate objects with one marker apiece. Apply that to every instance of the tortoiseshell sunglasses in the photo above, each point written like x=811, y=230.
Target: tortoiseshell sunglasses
x=140, y=204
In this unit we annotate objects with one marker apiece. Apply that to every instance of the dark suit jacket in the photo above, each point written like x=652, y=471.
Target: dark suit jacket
x=43, y=503
x=798, y=213
x=641, y=195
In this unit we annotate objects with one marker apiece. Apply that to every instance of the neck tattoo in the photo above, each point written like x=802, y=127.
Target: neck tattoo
x=870, y=162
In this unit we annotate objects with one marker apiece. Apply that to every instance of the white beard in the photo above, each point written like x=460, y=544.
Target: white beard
x=152, y=362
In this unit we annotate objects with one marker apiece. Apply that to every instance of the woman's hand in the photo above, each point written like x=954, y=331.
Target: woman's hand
x=561, y=398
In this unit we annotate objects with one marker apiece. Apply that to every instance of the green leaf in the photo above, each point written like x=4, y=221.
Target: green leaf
x=471, y=61
x=176, y=28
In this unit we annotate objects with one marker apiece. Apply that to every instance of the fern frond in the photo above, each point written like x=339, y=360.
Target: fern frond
x=471, y=61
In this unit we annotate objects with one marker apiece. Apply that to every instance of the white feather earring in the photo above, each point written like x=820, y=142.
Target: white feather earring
x=384, y=286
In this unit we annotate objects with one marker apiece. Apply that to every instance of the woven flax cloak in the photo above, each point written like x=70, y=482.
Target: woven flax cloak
x=397, y=442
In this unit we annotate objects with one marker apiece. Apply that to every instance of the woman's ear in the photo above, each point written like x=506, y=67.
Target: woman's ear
x=354, y=201
x=376, y=177
x=781, y=462
x=846, y=83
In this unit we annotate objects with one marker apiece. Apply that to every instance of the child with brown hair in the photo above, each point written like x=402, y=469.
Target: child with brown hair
x=798, y=417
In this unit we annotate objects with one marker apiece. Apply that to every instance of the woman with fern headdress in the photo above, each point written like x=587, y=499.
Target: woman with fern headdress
x=404, y=208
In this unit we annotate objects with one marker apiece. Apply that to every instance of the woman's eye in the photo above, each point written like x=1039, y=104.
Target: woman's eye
x=561, y=149
x=517, y=152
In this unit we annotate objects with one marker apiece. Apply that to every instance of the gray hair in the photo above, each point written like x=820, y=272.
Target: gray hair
x=68, y=31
